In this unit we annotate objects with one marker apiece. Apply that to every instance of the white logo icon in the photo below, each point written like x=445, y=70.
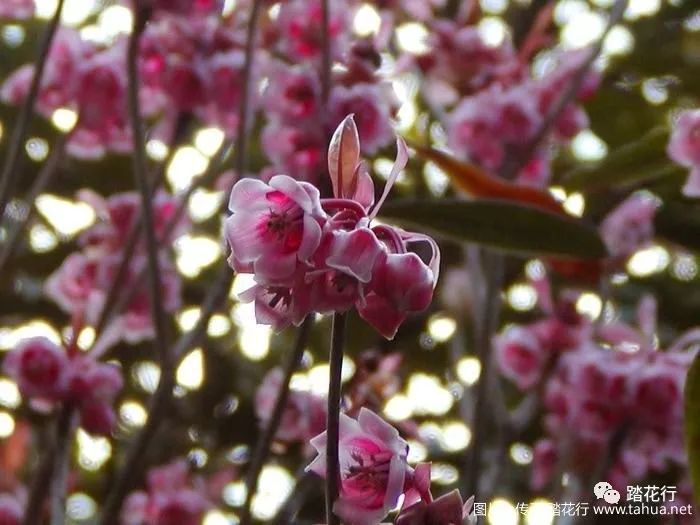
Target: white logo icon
x=603, y=490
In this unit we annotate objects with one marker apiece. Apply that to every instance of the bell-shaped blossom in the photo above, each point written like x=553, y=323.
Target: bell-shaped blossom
x=274, y=227
x=684, y=148
x=304, y=414
x=401, y=284
x=39, y=367
x=373, y=468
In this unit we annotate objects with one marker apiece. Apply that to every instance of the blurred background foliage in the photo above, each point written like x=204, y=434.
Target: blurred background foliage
x=652, y=71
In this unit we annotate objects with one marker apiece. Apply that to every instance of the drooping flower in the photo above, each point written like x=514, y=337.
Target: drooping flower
x=326, y=255
x=373, y=468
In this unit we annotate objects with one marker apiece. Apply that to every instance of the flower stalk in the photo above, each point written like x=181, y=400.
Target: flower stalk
x=10, y=168
x=333, y=421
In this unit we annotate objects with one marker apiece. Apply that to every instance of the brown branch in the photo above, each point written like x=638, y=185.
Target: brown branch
x=567, y=95
x=10, y=168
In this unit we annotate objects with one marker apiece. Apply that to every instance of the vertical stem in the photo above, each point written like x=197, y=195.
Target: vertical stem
x=10, y=168
x=244, y=107
x=46, y=174
x=141, y=180
x=325, y=52
x=59, y=479
x=485, y=321
x=333, y=421
x=265, y=440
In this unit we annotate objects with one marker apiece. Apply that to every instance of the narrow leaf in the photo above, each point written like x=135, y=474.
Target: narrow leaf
x=502, y=225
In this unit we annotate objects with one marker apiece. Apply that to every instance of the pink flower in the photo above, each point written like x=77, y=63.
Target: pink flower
x=684, y=144
x=521, y=356
x=39, y=367
x=299, y=25
x=373, y=468
x=402, y=284
x=293, y=93
x=296, y=149
x=630, y=226
x=370, y=105
x=274, y=227
x=304, y=414
x=684, y=148
x=174, y=497
x=324, y=255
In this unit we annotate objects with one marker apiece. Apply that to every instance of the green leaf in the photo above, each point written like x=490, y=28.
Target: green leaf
x=639, y=161
x=500, y=224
x=692, y=424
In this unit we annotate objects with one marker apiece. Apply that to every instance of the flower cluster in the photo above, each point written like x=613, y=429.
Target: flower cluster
x=191, y=64
x=684, y=148
x=493, y=108
x=293, y=137
x=174, y=497
x=80, y=285
x=309, y=254
x=611, y=384
x=500, y=120
x=48, y=373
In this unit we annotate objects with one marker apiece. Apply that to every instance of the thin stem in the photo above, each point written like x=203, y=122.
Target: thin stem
x=485, y=322
x=265, y=440
x=244, y=107
x=46, y=174
x=568, y=94
x=141, y=180
x=333, y=418
x=325, y=52
x=10, y=169
x=59, y=479
x=305, y=482
x=40, y=484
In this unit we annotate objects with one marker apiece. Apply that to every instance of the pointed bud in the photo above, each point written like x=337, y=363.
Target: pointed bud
x=343, y=158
